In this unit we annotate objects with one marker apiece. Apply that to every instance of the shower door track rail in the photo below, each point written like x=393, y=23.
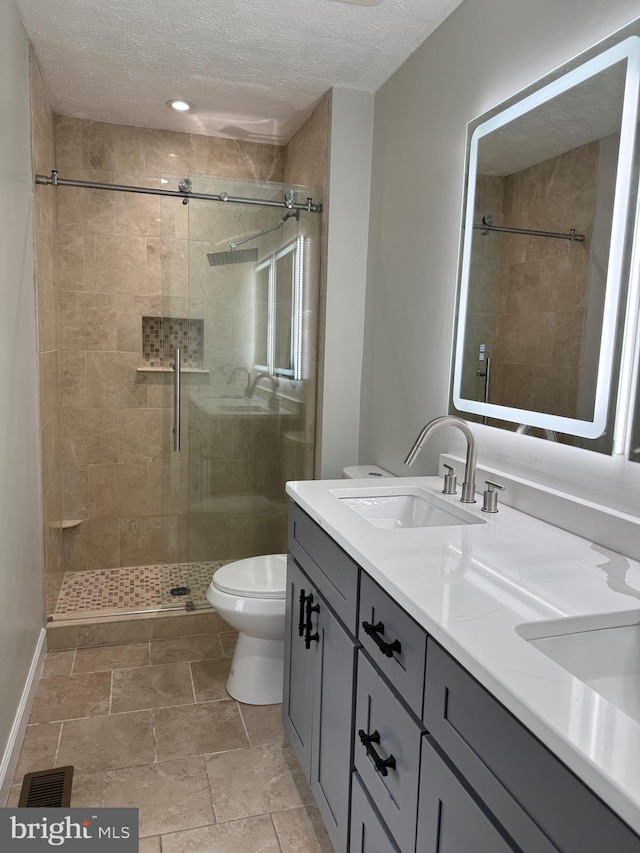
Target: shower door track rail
x=288, y=201
x=189, y=607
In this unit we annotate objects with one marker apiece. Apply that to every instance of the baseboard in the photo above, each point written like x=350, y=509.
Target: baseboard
x=14, y=743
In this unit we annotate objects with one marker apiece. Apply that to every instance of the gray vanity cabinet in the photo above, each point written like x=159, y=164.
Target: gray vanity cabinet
x=299, y=668
x=520, y=785
x=404, y=749
x=319, y=670
x=386, y=753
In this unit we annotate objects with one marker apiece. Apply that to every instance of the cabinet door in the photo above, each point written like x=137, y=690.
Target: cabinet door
x=299, y=663
x=333, y=697
x=449, y=818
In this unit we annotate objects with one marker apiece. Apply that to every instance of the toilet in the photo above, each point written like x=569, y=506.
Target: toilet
x=250, y=596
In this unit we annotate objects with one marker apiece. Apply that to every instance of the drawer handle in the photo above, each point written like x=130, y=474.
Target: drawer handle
x=308, y=636
x=386, y=648
x=301, y=624
x=380, y=764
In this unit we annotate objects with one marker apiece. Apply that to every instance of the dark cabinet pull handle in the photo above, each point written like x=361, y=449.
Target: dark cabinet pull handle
x=380, y=764
x=309, y=609
x=301, y=624
x=386, y=648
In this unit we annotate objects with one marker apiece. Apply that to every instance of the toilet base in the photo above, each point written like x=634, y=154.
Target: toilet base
x=257, y=671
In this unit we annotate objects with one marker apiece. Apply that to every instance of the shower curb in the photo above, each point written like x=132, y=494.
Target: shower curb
x=116, y=630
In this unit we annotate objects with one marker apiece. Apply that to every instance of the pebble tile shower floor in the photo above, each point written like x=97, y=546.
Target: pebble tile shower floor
x=150, y=725
x=104, y=591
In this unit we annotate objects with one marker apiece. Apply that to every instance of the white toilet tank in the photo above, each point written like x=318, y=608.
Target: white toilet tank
x=364, y=472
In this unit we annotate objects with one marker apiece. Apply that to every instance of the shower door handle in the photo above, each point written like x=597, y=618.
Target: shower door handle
x=177, y=362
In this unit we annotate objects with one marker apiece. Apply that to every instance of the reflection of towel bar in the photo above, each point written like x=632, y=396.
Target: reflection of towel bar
x=487, y=225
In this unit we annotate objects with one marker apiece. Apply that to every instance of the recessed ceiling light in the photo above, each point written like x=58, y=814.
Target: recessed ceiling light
x=180, y=106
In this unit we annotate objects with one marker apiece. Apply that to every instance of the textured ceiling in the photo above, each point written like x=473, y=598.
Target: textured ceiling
x=254, y=68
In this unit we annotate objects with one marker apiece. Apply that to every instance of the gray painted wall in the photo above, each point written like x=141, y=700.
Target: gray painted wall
x=484, y=52
x=20, y=527
x=348, y=219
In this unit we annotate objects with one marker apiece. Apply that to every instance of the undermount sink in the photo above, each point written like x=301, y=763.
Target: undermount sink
x=602, y=651
x=395, y=508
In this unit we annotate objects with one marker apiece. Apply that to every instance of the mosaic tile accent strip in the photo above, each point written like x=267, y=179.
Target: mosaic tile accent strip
x=162, y=335
x=134, y=588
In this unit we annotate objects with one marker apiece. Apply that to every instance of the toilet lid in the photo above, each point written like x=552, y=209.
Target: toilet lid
x=255, y=577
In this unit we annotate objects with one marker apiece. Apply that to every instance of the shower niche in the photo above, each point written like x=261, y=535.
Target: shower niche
x=161, y=336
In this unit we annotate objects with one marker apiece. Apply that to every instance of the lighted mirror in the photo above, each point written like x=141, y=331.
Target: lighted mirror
x=545, y=253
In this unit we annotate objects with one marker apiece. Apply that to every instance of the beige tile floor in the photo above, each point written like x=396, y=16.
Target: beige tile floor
x=150, y=725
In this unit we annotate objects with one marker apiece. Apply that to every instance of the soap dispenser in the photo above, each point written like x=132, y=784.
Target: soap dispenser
x=490, y=497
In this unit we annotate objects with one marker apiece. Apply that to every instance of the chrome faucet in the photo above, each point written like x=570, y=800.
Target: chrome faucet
x=235, y=372
x=275, y=382
x=469, y=485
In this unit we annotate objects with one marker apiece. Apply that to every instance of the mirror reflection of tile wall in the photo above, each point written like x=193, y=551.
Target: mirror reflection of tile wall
x=529, y=293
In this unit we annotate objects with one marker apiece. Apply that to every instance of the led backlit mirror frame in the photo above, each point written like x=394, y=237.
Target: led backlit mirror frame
x=628, y=50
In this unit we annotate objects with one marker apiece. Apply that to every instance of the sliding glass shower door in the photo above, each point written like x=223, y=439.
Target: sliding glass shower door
x=239, y=313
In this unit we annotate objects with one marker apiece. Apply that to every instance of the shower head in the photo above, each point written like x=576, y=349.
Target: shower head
x=219, y=259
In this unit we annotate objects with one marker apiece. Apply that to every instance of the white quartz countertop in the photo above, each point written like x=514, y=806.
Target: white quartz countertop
x=470, y=586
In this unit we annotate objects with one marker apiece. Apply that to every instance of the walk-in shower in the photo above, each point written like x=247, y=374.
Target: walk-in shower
x=147, y=519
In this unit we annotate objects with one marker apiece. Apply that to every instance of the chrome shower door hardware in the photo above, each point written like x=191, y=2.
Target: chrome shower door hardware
x=177, y=390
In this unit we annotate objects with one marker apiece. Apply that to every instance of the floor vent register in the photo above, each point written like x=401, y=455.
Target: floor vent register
x=47, y=789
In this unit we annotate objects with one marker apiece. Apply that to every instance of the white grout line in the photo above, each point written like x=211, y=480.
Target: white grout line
x=55, y=757
x=244, y=725
x=193, y=684
x=153, y=732
x=275, y=829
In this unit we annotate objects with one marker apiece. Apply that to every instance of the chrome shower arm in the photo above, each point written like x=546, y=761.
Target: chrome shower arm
x=275, y=227
x=233, y=246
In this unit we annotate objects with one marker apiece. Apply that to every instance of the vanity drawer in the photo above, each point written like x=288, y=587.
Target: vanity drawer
x=534, y=791
x=396, y=739
x=450, y=818
x=326, y=564
x=398, y=646
x=368, y=832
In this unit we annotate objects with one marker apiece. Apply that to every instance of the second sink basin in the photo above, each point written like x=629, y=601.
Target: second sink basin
x=601, y=651
x=396, y=507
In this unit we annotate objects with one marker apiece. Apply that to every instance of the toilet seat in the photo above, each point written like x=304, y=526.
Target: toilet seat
x=254, y=577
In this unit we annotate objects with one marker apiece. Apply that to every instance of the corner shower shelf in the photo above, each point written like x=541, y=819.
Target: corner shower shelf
x=65, y=524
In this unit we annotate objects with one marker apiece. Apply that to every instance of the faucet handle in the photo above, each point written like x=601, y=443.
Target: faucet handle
x=490, y=497
x=450, y=480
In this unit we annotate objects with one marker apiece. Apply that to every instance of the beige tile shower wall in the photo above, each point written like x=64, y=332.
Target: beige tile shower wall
x=539, y=325
x=306, y=162
x=43, y=160
x=119, y=257
x=305, y=155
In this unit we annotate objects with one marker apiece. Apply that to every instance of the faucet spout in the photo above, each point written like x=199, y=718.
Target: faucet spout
x=469, y=484
x=236, y=372
x=275, y=383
